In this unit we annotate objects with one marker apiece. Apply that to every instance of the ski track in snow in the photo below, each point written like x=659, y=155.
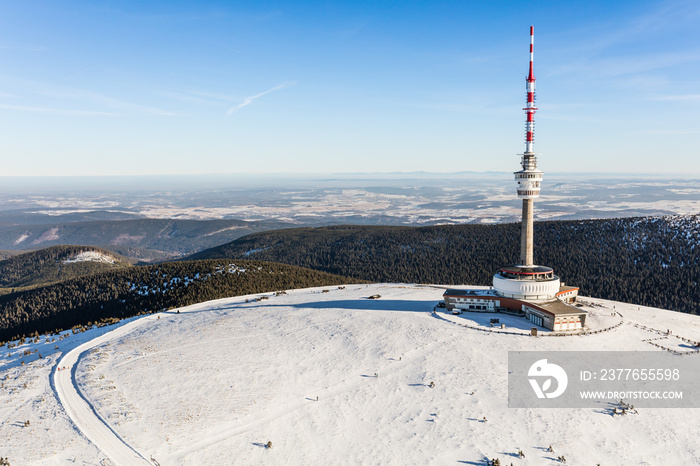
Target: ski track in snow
x=84, y=414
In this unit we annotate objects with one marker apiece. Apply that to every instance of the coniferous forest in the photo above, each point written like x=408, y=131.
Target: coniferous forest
x=56, y=264
x=647, y=261
x=136, y=290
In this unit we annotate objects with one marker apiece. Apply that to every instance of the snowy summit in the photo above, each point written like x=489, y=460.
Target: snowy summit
x=326, y=376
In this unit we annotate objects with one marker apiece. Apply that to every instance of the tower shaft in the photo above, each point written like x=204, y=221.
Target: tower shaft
x=527, y=233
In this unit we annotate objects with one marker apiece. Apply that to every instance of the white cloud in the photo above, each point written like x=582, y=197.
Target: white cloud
x=24, y=48
x=55, y=111
x=200, y=97
x=108, y=101
x=680, y=98
x=249, y=100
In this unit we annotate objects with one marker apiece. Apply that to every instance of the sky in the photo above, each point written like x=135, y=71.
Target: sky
x=182, y=87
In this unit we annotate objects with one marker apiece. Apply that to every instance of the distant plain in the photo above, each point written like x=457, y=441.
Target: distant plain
x=392, y=199
x=164, y=217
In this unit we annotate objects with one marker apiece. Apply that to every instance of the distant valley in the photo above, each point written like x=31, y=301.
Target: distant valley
x=161, y=218
x=141, y=239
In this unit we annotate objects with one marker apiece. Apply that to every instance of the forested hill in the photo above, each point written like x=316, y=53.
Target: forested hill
x=647, y=261
x=56, y=264
x=142, y=289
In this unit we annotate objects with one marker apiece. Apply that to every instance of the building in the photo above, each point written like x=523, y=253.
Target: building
x=554, y=314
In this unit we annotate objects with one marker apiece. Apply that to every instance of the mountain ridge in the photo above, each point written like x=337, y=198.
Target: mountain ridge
x=642, y=260
x=57, y=263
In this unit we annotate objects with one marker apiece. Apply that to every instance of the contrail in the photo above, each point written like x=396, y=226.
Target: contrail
x=249, y=100
x=76, y=74
x=229, y=48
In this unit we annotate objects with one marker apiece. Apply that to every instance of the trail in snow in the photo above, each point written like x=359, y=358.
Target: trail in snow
x=82, y=413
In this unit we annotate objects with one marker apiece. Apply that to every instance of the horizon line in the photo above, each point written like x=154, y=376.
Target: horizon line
x=351, y=174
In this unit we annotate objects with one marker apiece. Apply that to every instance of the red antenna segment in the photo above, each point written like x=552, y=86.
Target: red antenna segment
x=530, y=109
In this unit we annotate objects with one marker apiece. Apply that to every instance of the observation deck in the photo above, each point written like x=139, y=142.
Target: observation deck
x=529, y=178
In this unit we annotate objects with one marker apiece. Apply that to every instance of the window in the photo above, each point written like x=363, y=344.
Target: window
x=537, y=320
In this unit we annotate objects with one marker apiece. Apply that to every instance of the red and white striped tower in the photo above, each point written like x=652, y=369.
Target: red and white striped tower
x=526, y=281
x=530, y=109
x=529, y=177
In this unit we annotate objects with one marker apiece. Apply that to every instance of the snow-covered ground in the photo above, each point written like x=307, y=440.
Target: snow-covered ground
x=91, y=256
x=215, y=382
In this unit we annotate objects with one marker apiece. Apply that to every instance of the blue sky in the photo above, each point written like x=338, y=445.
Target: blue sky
x=178, y=87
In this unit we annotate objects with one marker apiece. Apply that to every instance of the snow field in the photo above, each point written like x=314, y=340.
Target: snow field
x=90, y=256
x=215, y=386
x=214, y=383
x=26, y=394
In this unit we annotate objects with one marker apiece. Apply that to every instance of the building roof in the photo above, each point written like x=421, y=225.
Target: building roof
x=463, y=292
x=564, y=289
x=556, y=308
x=527, y=270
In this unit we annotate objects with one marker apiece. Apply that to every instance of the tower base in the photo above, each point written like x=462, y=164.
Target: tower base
x=533, y=283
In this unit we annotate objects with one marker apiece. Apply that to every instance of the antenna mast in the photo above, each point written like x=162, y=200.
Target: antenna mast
x=530, y=108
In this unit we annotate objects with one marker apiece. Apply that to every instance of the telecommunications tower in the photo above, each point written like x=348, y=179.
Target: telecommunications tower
x=526, y=280
x=529, y=177
x=526, y=289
